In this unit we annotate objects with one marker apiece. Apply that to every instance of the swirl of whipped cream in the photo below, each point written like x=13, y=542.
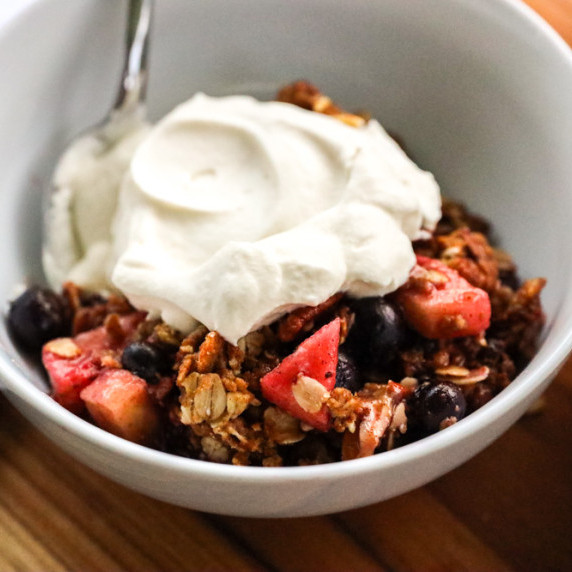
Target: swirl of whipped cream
x=233, y=212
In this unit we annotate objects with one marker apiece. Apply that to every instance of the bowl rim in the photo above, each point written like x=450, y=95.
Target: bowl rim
x=538, y=372
x=11, y=13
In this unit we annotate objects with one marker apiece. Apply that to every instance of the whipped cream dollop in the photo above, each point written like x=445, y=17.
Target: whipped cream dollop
x=77, y=239
x=232, y=212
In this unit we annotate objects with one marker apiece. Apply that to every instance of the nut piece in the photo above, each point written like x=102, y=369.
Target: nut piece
x=302, y=319
x=210, y=352
x=113, y=328
x=309, y=393
x=63, y=347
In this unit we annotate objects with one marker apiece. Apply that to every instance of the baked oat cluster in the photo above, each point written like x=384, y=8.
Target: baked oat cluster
x=345, y=379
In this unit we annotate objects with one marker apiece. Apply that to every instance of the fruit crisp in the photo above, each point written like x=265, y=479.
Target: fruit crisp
x=345, y=379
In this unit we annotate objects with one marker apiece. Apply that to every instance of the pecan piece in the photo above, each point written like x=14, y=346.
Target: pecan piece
x=304, y=94
x=302, y=319
x=210, y=352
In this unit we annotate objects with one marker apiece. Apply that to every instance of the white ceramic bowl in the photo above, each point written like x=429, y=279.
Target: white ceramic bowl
x=481, y=92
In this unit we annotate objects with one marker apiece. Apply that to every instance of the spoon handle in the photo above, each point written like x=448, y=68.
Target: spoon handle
x=134, y=76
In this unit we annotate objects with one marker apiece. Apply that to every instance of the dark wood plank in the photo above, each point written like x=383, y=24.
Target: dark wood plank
x=302, y=544
x=417, y=532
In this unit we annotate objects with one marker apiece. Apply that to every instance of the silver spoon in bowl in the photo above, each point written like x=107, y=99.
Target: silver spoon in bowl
x=86, y=181
x=134, y=77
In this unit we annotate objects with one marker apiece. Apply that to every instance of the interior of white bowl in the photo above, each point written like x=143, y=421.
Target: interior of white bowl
x=479, y=91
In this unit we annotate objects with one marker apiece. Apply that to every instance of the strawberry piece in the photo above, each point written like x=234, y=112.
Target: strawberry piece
x=441, y=304
x=73, y=363
x=315, y=358
x=69, y=375
x=119, y=402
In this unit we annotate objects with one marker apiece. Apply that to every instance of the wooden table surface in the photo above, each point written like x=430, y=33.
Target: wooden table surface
x=509, y=508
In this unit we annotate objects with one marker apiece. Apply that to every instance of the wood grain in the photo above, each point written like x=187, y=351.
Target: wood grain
x=508, y=509
x=558, y=13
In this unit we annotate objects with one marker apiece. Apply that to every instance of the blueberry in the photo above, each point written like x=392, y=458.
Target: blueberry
x=37, y=316
x=377, y=333
x=432, y=404
x=347, y=373
x=143, y=360
x=312, y=450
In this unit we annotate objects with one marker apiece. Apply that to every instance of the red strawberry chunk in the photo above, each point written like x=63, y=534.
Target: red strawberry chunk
x=119, y=402
x=441, y=304
x=315, y=358
x=69, y=375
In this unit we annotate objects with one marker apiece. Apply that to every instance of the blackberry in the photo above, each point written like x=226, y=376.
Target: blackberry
x=143, y=360
x=433, y=404
x=347, y=373
x=37, y=316
x=377, y=333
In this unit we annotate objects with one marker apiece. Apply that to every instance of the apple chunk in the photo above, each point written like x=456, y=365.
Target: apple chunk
x=440, y=304
x=118, y=401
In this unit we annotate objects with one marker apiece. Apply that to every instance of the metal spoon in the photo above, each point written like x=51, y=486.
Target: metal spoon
x=134, y=77
x=63, y=245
